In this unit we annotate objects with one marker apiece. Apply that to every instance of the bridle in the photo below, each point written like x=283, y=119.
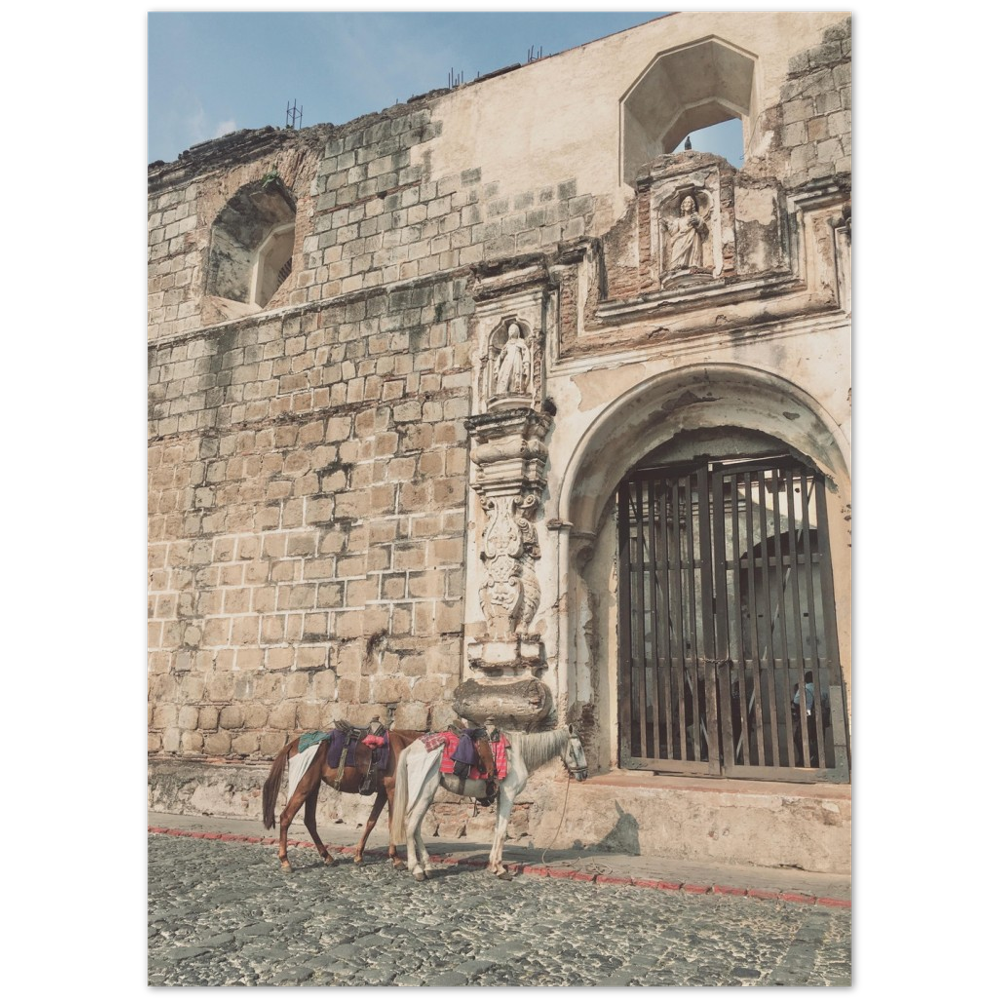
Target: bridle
x=574, y=769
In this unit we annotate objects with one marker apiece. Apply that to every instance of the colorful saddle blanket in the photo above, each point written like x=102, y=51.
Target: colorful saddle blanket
x=379, y=744
x=455, y=752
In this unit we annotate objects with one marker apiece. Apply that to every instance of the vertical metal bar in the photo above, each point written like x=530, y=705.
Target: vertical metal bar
x=654, y=615
x=759, y=694
x=821, y=683
x=783, y=685
x=708, y=717
x=838, y=706
x=678, y=667
x=667, y=702
x=742, y=749
x=798, y=656
x=772, y=668
x=693, y=652
x=640, y=604
x=639, y=612
x=625, y=618
x=723, y=682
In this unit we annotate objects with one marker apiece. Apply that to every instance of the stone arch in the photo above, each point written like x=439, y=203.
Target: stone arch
x=684, y=403
x=251, y=243
x=689, y=398
x=681, y=91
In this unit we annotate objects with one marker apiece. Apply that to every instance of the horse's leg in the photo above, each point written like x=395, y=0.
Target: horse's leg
x=510, y=788
x=288, y=814
x=397, y=861
x=377, y=806
x=311, y=800
x=417, y=858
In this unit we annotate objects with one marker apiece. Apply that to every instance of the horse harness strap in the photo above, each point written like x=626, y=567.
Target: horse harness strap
x=365, y=759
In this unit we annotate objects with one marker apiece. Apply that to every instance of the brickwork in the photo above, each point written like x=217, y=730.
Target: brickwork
x=816, y=109
x=307, y=493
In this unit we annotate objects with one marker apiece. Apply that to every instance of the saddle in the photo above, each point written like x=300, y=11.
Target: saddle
x=348, y=748
x=474, y=749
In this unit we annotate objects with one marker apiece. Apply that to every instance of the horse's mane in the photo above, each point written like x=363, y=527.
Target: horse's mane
x=537, y=748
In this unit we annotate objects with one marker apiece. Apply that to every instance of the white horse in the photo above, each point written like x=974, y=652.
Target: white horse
x=418, y=777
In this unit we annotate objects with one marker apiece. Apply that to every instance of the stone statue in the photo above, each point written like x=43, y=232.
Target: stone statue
x=686, y=234
x=513, y=365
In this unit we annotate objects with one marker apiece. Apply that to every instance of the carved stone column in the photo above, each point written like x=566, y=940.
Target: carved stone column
x=505, y=659
x=509, y=459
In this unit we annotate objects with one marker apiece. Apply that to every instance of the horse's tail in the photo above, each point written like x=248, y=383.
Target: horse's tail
x=273, y=785
x=400, y=799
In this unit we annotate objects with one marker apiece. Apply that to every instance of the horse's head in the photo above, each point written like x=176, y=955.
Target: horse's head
x=574, y=757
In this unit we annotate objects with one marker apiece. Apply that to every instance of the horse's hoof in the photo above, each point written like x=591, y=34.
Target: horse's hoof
x=359, y=861
x=420, y=876
x=286, y=869
x=328, y=860
x=397, y=864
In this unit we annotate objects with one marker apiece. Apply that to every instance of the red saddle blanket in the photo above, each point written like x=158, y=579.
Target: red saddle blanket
x=450, y=742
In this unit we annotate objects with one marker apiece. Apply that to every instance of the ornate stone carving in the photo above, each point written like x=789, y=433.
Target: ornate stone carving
x=509, y=593
x=520, y=704
x=504, y=650
x=509, y=364
x=512, y=367
x=685, y=237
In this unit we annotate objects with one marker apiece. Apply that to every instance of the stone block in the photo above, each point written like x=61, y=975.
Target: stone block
x=282, y=716
x=231, y=717
x=218, y=743
x=246, y=744
x=410, y=715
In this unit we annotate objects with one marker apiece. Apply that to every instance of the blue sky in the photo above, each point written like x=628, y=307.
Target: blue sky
x=213, y=73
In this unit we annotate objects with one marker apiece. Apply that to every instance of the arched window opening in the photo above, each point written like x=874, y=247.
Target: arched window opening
x=250, y=254
x=682, y=92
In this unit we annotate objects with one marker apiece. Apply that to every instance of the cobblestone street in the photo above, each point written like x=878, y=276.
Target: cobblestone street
x=222, y=913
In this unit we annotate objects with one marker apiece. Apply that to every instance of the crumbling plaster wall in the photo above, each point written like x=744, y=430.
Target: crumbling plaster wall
x=310, y=509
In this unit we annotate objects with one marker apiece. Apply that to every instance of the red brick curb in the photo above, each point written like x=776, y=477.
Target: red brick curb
x=541, y=871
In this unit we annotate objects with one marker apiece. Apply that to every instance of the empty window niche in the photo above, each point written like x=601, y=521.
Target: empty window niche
x=681, y=93
x=250, y=256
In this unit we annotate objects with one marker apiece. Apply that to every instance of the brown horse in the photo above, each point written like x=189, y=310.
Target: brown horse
x=308, y=792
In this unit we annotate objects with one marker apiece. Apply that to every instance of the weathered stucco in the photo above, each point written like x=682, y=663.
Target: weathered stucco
x=389, y=488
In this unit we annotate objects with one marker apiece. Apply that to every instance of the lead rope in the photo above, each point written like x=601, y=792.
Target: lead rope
x=594, y=867
x=569, y=778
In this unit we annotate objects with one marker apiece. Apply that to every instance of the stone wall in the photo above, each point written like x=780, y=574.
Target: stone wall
x=307, y=520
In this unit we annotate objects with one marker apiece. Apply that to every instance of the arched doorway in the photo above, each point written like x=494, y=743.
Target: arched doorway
x=706, y=431
x=728, y=653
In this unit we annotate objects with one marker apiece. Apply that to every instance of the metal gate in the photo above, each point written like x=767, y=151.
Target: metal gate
x=728, y=659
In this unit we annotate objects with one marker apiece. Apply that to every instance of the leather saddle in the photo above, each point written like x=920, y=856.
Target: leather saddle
x=365, y=757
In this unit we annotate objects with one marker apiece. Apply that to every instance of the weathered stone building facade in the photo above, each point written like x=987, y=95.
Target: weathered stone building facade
x=487, y=404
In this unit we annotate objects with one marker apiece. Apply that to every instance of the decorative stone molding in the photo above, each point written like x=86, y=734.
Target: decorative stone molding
x=521, y=704
x=504, y=653
x=512, y=298
x=509, y=457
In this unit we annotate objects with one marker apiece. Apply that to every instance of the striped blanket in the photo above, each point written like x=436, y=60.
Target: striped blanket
x=450, y=740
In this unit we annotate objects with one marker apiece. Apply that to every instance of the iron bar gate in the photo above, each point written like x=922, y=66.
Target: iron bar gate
x=728, y=651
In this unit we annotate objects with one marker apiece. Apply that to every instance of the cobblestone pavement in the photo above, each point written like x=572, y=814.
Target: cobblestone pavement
x=222, y=913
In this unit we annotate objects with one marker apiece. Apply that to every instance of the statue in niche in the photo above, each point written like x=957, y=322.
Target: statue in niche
x=512, y=372
x=685, y=237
